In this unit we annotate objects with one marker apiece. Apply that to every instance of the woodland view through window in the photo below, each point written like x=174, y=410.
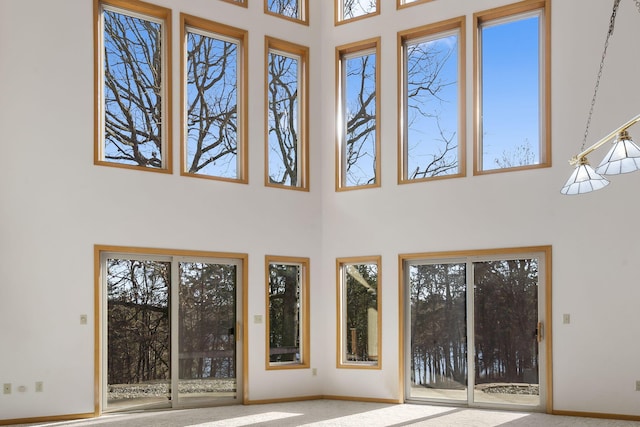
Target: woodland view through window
x=358, y=161
x=287, y=76
x=288, y=312
x=432, y=95
x=359, y=312
x=512, y=88
x=295, y=10
x=214, y=104
x=134, y=85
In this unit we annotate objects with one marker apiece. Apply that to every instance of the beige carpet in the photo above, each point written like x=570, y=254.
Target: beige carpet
x=336, y=413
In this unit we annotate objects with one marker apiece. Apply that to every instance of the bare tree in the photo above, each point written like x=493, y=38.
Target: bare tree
x=520, y=155
x=289, y=8
x=212, y=117
x=132, y=90
x=354, y=8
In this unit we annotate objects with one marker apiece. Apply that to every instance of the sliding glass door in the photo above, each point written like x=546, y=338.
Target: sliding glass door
x=170, y=331
x=473, y=329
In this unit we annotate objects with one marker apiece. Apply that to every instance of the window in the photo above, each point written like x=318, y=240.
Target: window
x=351, y=10
x=294, y=10
x=287, y=312
x=432, y=118
x=358, y=103
x=286, y=115
x=406, y=3
x=133, y=85
x=214, y=100
x=242, y=3
x=359, y=313
x=475, y=327
x=512, y=92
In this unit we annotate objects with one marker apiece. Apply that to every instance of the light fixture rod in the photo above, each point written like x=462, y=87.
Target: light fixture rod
x=576, y=159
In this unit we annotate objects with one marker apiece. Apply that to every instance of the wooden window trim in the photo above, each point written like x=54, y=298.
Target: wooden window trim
x=241, y=3
x=242, y=36
x=340, y=263
x=304, y=12
x=305, y=359
x=153, y=11
x=418, y=32
x=341, y=51
x=512, y=10
x=302, y=52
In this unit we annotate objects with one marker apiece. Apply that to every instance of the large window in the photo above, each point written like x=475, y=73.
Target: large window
x=214, y=103
x=286, y=115
x=133, y=85
x=431, y=92
x=359, y=312
x=350, y=10
x=358, y=104
x=512, y=89
x=287, y=312
x=294, y=10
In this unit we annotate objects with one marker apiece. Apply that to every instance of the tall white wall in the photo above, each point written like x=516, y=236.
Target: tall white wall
x=55, y=205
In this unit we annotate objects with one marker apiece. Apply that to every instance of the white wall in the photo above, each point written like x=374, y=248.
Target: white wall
x=55, y=204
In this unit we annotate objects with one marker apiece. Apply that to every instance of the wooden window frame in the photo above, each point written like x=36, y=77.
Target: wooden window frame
x=341, y=363
x=242, y=37
x=337, y=16
x=417, y=33
x=400, y=4
x=302, y=52
x=305, y=339
x=153, y=12
x=241, y=3
x=342, y=51
x=507, y=12
x=304, y=12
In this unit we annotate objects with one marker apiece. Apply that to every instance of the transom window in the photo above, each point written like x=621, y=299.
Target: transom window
x=350, y=10
x=358, y=162
x=512, y=91
x=286, y=111
x=214, y=104
x=432, y=101
x=294, y=10
x=133, y=74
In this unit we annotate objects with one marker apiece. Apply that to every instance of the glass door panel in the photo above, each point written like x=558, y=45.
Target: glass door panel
x=505, y=332
x=207, y=335
x=138, y=341
x=438, y=354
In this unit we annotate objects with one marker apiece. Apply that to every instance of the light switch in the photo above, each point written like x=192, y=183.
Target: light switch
x=566, y=318
x=83, y=319
x=257, y=318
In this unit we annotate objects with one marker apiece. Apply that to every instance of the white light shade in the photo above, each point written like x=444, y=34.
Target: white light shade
x=583, y=180
x=623, y=157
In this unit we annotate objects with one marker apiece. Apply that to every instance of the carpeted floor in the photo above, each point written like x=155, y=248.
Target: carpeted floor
x=336, y=413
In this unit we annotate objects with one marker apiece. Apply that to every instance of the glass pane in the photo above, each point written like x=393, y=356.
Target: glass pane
x=511, y=94
x=359, y=151
x=431, y=123
x=438, y=331
x=132, y=91
x=207, y=336
x=212, y=106
x=506, y=319
x=283, y=119
x=284, y=313
x=138, y=359
x=355, y=8
x=288, y=8
x=361, y=305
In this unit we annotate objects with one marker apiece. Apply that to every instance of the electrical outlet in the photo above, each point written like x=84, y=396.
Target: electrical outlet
x=83, y=319
x=6, y=388
x=39, y=387
x=637, y=385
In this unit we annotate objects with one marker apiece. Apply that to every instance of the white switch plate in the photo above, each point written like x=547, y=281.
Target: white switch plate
x=6, y=388
x=638, y=385
x=39, y=386
x=83, y=319
x=257, y=318
x=566, y=318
